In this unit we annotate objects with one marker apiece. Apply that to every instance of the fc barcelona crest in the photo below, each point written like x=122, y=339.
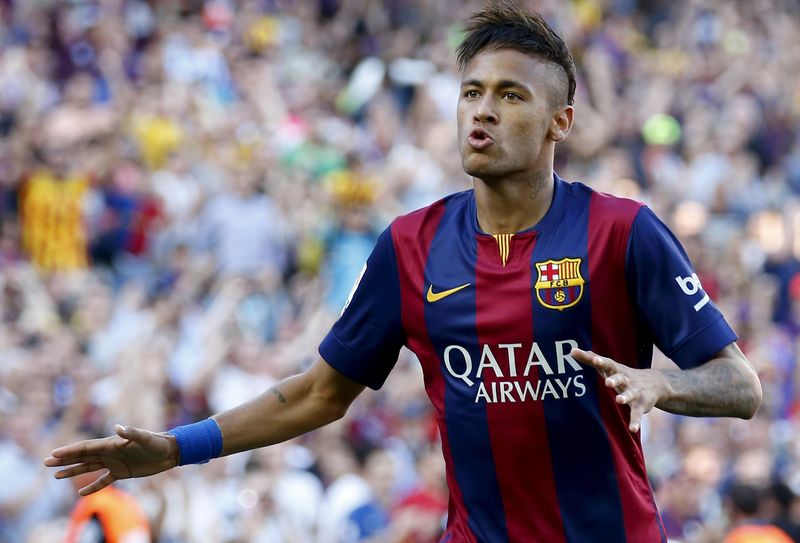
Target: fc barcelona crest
x=560, y=284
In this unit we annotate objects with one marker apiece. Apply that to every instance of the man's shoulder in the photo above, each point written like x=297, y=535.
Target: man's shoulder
x=606, y=207
x=414, y=223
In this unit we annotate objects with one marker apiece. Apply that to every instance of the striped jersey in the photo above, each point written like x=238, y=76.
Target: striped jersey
x=53, y=229
x=536, y=448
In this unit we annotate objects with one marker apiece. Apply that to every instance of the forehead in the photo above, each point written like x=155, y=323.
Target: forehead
x=508, y=65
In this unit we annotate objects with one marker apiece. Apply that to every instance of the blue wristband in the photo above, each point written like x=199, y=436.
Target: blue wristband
x=199, y=442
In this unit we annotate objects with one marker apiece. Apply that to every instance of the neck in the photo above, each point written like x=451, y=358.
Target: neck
x=509, y=205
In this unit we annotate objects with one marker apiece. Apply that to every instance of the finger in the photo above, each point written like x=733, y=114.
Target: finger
x=616, y=381
x=52, y=462
x=99, y=484
x=75, y=450
x=584, y=357
x=636, y=419
x=130, y=433
x=600, y=363
x=78, y=470
x=82, y=449
x=625, y=397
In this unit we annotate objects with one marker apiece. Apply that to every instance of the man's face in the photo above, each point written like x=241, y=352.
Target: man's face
x=57, y=159
x=504, y=111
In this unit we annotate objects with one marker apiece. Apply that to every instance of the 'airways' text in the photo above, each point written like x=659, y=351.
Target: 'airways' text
x=516, y=391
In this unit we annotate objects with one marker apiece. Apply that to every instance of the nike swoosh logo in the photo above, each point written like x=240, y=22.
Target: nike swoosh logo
x=436, y=296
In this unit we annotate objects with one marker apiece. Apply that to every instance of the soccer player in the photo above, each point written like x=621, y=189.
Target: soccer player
x=505, y=293
x=107, y=516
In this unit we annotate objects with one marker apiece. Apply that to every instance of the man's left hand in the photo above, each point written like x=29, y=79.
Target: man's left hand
x=640, y=389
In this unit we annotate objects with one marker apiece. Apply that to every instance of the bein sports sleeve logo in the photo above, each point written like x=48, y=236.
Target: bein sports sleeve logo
x=354, y=289
x=691, y=286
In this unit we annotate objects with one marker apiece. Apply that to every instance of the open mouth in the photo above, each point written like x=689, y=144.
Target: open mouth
x=479, y=139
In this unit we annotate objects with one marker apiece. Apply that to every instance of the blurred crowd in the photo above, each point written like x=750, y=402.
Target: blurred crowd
x=189, y=188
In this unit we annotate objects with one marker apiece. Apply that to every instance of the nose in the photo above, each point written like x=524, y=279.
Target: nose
x=486, y=114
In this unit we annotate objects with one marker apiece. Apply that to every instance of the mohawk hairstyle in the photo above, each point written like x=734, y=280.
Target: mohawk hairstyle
x=504, y=25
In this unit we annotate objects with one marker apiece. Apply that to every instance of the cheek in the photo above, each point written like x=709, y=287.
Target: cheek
x=525, y=134
x=461, y=115
x=529, y=132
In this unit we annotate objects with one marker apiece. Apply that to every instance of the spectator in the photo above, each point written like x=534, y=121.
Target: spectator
x=746, y=516
x=245, y=230
x=111, y=516
x=52, y=207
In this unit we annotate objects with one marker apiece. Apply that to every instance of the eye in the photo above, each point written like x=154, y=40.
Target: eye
x=511, y=96
x=472, y=93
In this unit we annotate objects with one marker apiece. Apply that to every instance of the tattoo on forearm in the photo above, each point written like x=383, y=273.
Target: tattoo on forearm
x=714, y=389
x=278, y=394
x=537, y=182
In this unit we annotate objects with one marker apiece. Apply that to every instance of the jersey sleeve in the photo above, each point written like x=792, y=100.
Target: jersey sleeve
x=684, y=322
x=365, y=342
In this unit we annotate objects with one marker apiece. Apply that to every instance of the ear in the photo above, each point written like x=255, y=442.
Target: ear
x=560, y=124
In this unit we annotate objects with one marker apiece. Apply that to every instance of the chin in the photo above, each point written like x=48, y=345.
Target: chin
x=474, y=162
x=482, y=168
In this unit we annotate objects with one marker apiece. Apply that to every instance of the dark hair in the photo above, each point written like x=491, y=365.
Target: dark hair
x=504, y=25
x=745, y=498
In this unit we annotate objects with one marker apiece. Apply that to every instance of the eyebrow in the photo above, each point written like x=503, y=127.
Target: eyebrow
x=502, y=84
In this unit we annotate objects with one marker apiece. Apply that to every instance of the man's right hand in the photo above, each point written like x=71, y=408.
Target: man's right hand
x=133, y=452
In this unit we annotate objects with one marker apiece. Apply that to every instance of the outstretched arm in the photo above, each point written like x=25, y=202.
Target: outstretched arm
x=725, y=386
x=293, y=407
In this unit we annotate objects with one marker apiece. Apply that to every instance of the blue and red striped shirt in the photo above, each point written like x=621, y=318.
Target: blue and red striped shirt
x=536, y=448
